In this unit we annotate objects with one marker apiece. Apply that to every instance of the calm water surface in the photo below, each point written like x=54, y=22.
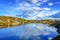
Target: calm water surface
x=28, y=32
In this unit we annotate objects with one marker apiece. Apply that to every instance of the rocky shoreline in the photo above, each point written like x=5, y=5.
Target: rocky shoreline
x=57, y=25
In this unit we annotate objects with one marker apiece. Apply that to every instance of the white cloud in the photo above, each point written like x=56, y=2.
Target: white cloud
x=46, y=9
x=33, y=11
x=34, y=1
x=46, y=13
x=50, y=4
x=55, y=3
x=43, y=0
x=27, y=4
x=52, y=13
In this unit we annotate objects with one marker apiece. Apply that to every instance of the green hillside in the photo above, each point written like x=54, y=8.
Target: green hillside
x=7, y=21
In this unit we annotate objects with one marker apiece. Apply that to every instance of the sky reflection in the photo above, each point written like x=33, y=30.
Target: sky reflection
x=28, y=30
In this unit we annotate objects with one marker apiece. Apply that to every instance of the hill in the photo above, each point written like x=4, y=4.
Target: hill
x=7, y=21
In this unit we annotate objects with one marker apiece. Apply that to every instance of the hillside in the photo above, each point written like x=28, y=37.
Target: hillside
x=7, y=21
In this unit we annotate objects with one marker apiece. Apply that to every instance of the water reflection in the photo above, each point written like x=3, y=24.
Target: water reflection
x=29, y=32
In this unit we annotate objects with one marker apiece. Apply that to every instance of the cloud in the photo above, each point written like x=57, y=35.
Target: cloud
x=26, y=4
x=31, y=11
x=44, y=0
x=52, y=13
x=35, y=11
x=46, y=9
x=36, y=1
x=50, y=4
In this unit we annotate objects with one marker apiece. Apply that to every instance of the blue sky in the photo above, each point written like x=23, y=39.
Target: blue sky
x=30, y=9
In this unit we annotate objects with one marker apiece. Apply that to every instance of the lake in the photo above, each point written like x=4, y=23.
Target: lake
x=31, y=31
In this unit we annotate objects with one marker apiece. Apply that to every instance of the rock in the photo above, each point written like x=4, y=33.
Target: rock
x=58, y=30
x=56, y=38
x=57, y=24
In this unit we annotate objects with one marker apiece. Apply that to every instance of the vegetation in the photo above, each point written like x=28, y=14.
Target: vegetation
x=7, y=21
